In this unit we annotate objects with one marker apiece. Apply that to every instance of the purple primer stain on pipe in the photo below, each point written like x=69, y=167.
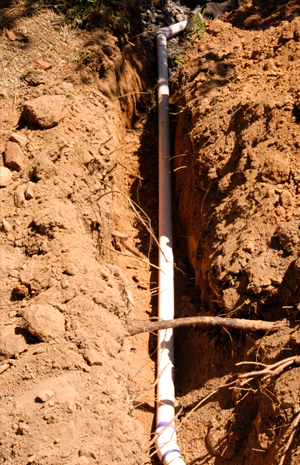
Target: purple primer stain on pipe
x=165, y=423
x=169, y=452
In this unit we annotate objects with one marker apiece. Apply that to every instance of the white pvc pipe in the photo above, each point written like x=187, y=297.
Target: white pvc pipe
x=167, y=448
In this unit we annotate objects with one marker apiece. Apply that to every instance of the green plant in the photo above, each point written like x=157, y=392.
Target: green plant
x=27, y=72
x=197, y=26
x=179, y=58
x=79, y=56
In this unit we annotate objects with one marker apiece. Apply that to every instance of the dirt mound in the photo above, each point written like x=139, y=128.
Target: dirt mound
x=63, y=351
x=237, y=199
x=78, y=162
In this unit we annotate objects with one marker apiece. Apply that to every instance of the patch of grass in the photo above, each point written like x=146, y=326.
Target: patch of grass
x=27, y=72
x=79, y=57
x=89, y=13
x=179, y=58
x=196, y=26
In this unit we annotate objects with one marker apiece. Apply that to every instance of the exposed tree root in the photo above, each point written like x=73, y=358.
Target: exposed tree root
x=250, y=325
x=291, y=431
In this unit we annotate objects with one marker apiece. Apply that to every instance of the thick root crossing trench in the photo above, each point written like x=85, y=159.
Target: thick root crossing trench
x=79, y=228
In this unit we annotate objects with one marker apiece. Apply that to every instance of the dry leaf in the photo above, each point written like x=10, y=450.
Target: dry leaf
x=11, y=35
x=16, y=36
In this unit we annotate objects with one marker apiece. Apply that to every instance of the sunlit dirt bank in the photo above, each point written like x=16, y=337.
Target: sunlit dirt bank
x=79, y=216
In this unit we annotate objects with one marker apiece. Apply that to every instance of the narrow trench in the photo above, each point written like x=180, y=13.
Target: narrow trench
x=145, y=194
x=196, y=360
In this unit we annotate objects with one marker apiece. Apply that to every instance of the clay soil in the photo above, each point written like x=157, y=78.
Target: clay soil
x=78, y=255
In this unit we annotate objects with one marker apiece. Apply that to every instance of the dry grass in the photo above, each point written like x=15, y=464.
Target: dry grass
x=49, y=39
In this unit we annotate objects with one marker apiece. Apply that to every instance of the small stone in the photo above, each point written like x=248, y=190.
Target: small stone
x=212, y=174
x=29, y=193
x=92, y=357
x=39, y=350
x=249, y=246
x=19, y=197
x=45, y=111
x=14, y=273
x=287, y=31
x=10, y=342
x=56, y=216
x=32, y=458
x=252, y=21
x=40, y=64
x=6, y=226
x=14, y=157
x=21, y=140
x=286, y=198
x=22, y=429
x=44, y=169
x=83, y=460
x=84, y=452
x=5, y=176
x=44, y=321
x=20, y=291
x=44, y=396
x=71, y=269
x=64, y=282
x=297, y=31
x=280, y=211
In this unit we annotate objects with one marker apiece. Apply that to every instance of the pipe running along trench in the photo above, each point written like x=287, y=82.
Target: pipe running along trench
x=166, y=445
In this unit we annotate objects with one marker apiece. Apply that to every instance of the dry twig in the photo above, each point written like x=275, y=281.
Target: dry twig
x=289, y=442
x=252, y=325
x=135, y=208
x=130, y=256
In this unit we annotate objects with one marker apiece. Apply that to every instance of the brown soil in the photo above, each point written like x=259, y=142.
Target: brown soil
x=77, y=145
x=237, y=200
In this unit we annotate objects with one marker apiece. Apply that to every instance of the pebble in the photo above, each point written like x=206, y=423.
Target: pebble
x=40, y=349
x=44, y=169
x=44, y=321
x=14, y=273
x=286, y=198
x=84, y=452
x=5, y=176
x=71, y=269
x=22, y=429
x=29, y=193
x=6, y=226
x=43, y=396
x=21, y=140
x=14, y=157
x=11, y=343
x=19, y=197
x=82, y=460
x=93, y=357
x=249, y=246
x=252, y=21
x=45, y=111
